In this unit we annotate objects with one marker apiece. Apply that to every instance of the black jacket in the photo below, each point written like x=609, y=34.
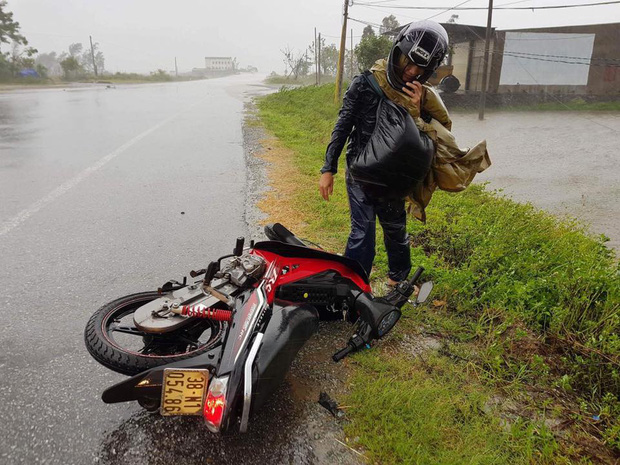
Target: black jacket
x=356, y=120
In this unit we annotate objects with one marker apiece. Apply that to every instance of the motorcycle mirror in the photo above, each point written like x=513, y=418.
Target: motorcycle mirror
x=425, y=291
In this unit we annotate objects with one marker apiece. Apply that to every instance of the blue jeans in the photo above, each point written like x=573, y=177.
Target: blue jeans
x=392, y=217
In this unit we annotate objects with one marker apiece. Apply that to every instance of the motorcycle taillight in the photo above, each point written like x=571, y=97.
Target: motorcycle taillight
x=215, y=403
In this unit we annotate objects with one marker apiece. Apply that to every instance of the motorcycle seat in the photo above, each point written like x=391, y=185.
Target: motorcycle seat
x=277, y=232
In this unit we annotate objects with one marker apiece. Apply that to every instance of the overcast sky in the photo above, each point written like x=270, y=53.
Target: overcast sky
x=144, y=35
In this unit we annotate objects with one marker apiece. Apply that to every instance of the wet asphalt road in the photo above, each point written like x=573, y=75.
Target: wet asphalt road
x=105, y=192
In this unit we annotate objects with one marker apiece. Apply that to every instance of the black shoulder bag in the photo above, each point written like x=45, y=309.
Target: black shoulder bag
x=397, y=155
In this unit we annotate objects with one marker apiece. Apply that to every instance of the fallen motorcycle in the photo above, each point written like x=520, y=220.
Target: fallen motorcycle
x=219, y=346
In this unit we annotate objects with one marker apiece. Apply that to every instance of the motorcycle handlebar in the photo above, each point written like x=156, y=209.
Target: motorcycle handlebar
x=416, y=275
x=342, y=353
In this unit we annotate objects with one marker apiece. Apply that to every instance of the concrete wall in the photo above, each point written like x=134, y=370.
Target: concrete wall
x=598, y=42
x=460, y=59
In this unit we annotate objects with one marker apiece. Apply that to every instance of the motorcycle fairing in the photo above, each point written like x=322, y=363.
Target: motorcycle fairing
x=297, y=251
x=290, y=328
x=241, y=330
x=293, y=263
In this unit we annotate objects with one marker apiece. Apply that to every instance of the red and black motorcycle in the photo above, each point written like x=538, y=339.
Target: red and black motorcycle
x=220, y=345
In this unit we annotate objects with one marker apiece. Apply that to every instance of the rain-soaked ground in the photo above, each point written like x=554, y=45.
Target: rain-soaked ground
x=106, y=192
x=563, y=162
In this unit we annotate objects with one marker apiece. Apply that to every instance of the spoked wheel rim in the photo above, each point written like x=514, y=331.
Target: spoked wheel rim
x=118, y=328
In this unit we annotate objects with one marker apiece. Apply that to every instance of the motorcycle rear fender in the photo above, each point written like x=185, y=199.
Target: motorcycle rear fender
x=289, y=329
x=148, y=383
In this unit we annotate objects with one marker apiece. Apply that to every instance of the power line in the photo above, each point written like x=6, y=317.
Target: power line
x=388, y=12
x=449, y=9
x=582, y=36
x=615, y=60
x=516, y=55
x=368, y=23
x=469, y=8
x=374, y=3
x=579, y=60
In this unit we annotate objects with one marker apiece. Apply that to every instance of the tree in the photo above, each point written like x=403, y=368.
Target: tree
x=49, y=61
x=21, y=58
x=329, y=60
x=350, y=70
x=9, y=29
x=71, y=67
x=86, y=58
x=389, y=23
x=296, y=63
x=41, y=71
x=371, y=49
x=9, y=32
x=368, y=32
x=75, y=50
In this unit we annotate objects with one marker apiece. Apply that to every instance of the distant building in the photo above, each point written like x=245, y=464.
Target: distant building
x=219, y=64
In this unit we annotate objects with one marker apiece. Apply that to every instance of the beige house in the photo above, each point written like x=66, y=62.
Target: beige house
x=219, y=64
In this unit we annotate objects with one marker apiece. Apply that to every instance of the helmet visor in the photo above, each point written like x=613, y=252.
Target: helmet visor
x=421, y=48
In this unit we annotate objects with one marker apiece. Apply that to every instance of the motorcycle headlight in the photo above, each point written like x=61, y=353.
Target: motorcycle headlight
x=387, y=322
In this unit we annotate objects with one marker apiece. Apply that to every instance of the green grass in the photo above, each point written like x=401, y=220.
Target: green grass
x=301, y=80
x=405, y=411
x=526, y=301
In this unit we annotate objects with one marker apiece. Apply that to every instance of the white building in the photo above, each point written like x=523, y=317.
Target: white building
x=219, y=64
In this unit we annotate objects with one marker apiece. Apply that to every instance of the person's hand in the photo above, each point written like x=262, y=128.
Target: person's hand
x=326, y=185
x=414, y=91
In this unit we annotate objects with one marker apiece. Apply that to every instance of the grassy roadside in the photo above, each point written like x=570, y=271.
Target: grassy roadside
x=517, y=358
x=300, y=81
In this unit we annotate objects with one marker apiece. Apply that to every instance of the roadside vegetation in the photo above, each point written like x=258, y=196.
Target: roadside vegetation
x=517, y=357
x=274, y=78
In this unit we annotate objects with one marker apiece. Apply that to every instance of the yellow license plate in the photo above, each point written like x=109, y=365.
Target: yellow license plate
x=183, y=391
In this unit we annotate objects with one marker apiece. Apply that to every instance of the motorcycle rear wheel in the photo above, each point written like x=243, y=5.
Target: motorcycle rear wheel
x=110, y=331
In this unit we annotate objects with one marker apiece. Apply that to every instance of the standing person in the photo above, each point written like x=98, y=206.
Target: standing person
x=416, y=53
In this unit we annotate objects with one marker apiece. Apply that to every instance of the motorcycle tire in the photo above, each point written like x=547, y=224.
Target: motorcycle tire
x=112, y=355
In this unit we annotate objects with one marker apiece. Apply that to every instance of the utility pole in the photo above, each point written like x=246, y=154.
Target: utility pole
x=316, y=69
x=319, y=58
x=176, y=69
x=485, y=70
x=351, y=73
x=92, y=54
x=343, y=41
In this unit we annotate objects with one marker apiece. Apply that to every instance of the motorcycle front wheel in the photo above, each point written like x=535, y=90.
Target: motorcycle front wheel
x=113, y=340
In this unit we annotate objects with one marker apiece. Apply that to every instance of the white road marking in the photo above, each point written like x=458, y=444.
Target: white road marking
x=66, y=186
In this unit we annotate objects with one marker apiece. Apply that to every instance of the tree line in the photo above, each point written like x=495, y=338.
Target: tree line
x=23, y=60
